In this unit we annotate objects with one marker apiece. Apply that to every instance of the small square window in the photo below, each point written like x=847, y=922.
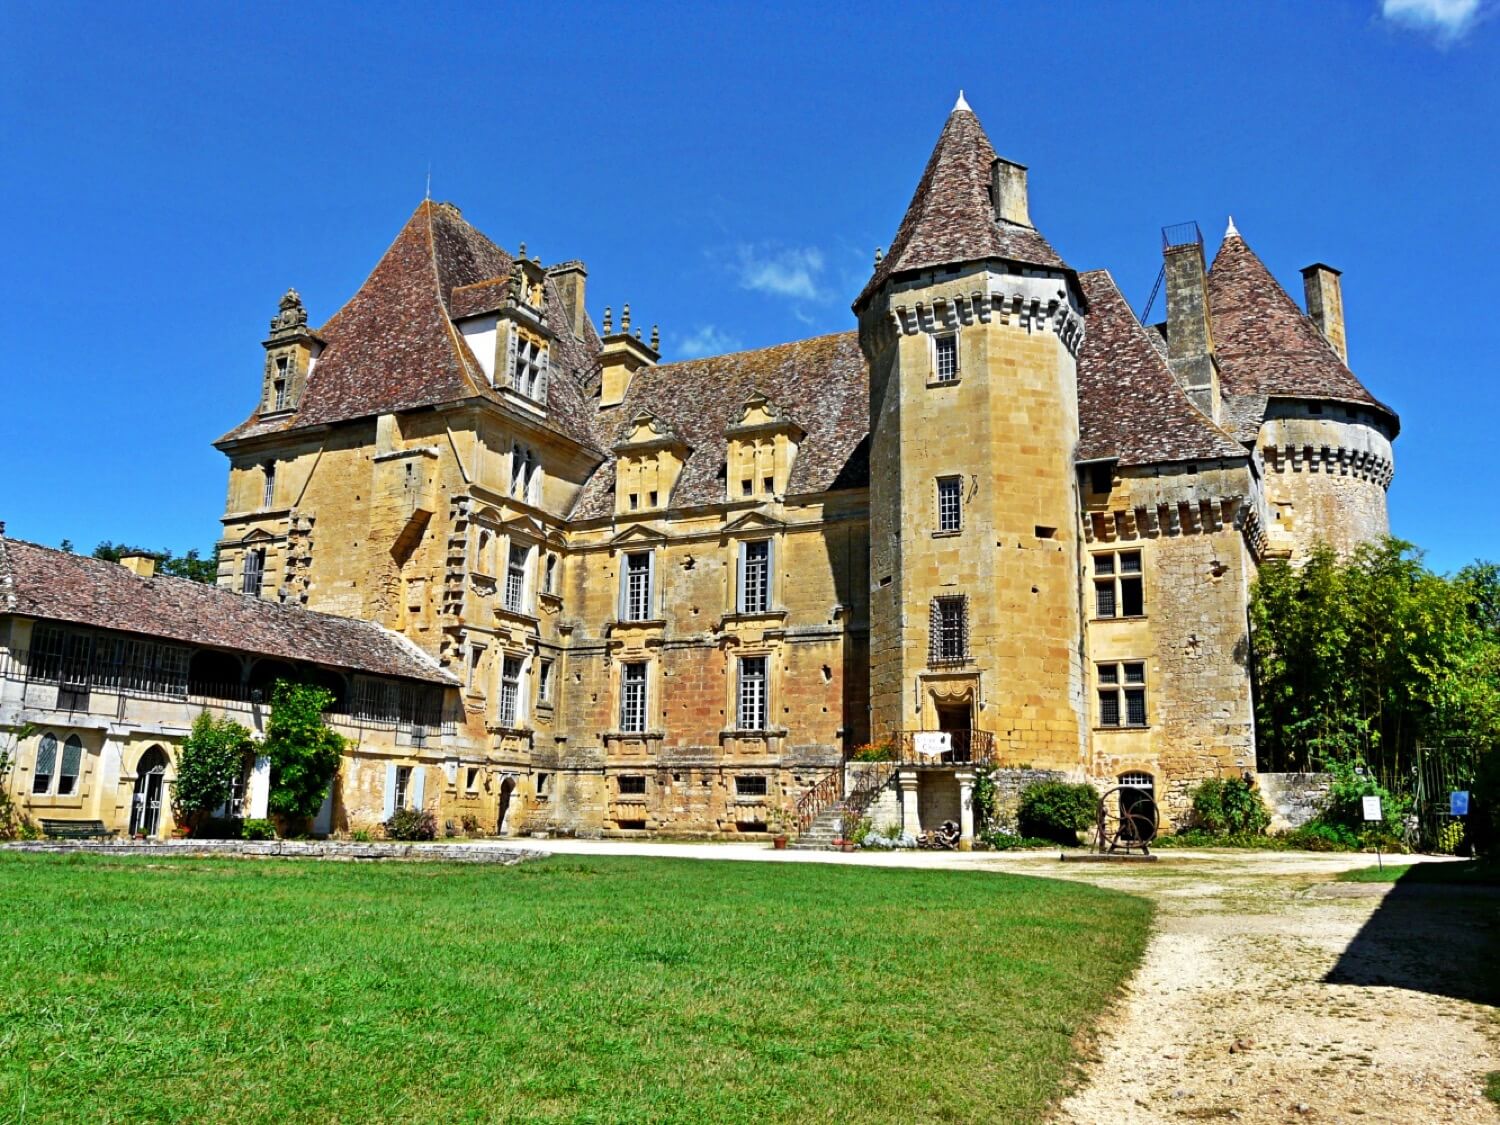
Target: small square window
x=543, y=784
x=747, y=487
x=632, y=785
x=768, y=485
x=1101, y=479
x=1119, y=584
x=471, y=779
x=634, y=501
x=652, y=499
x=750, y=785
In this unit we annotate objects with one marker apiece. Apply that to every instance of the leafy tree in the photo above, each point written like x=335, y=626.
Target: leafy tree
x=304, y=753
x=191, y=565
x=212, y=759
x=1361, y=660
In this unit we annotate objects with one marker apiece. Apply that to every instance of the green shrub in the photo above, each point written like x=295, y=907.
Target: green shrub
x=1198, y=838
x=1344, y=806
x=1321, y=837
x=211, y=760
x=258, y=830
x=1004, y=842
x=1229, y=807
x=1057, y=810
x=411, y=824
x=304, y=753
x=361, y=836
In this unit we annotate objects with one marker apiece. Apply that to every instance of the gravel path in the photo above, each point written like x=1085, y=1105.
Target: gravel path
x=1271, y=994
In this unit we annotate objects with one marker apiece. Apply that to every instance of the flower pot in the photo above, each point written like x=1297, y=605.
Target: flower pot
x=847, y=846
x=779, y=842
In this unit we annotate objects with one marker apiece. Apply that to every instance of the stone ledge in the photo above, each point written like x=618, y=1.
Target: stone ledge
x=291, y=849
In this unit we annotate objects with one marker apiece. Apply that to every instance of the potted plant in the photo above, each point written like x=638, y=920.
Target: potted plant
x=781, y=823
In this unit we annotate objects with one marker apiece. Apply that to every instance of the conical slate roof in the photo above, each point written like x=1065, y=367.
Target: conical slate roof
x=393, y=346
x=1265, y=344
x=951, y=218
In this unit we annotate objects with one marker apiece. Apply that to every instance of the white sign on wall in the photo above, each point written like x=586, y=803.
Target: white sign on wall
x=933, y=743
x=1372, y=808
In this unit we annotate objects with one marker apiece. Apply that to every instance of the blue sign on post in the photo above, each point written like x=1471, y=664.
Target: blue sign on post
x=1458, y=802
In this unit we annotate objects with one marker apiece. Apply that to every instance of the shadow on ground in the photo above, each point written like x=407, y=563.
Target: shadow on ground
x=1429, y=937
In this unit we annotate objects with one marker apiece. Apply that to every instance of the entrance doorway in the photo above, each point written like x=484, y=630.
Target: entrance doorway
x=150, y=786
x=954, y=716
x=1137, y=805
x=507, y=787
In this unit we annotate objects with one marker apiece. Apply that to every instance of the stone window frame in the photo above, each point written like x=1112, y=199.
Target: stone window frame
x=635, y=697
x=525, y=474
x=472, y=776
x=546, y=669
x=403, y=787
x=940, y=652
x=281, y=384
x=510, y=706
x=1120, y=687
x=744, y=679
x=637, y=604
x=268, y=485
x=1112, y=577
x=765, y=601
x=515, y=591
x=954, y=515
x=944, y=375
x=253, y=571
x=636, y=788
x=741, y=792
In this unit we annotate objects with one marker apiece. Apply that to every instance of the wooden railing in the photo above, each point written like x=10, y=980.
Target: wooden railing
x=943, y=748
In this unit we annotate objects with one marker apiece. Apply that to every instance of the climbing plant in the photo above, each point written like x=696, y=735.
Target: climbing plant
x=303, y=752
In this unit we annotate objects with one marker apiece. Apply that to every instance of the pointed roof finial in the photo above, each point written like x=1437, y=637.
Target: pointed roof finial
x=961, y=103
x=1233, y=231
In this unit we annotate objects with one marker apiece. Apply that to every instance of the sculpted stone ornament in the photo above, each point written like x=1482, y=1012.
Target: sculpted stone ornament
x=291, y=316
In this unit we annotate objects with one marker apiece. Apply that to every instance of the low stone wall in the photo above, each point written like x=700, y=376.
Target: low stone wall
x=1293, y=798
x=290, y=849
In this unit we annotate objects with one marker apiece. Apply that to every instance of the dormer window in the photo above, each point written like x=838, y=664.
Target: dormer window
x=279, y=384
x=528, y=373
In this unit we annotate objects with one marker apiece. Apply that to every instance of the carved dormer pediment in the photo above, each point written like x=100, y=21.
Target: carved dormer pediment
x=525, y=525
x=751, y=522
x=758, y=414
x=258, y=535
x=637, y=535
x=646, y=432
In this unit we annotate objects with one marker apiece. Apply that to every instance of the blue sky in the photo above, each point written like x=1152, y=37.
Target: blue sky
x=171, y=170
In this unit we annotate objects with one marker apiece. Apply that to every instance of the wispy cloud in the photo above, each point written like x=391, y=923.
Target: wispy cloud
x=706, y=339
x=789, y=271
x=1448, y=20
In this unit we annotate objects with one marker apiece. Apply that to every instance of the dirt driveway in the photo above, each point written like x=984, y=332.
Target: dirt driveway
x=1271, y=993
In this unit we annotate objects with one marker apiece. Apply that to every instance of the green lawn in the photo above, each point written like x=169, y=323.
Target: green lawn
x=1473, y=873
x=586, y=990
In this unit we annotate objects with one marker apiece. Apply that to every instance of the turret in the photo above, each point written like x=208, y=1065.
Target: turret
x=971, y=324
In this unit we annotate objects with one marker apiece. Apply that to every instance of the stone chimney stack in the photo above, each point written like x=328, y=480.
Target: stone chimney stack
x=570, y=278
x=138, y=562
x=1325, y=304
x=1190, y=341
x=1008, y=190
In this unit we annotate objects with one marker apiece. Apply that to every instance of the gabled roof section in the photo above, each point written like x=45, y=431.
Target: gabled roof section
x=1265, y=344
x=1129, y=405
x=825, y=377
x=951, y=218
x=56, y=586
x=393, y=345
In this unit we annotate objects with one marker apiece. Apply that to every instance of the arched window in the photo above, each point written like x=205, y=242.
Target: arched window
x=1138, y=781
x=46, y=765
x=72, y=766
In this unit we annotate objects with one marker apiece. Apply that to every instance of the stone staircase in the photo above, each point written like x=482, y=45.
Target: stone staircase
x=827, y=827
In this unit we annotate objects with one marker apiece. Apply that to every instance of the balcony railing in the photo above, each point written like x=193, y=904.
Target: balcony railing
x=933, y=748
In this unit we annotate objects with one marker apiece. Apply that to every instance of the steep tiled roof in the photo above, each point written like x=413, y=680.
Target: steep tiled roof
x=1265, y=344
x=1129, y=405
x=951, y=217
x=393, y=346
x=822, y=383
x=56, y=586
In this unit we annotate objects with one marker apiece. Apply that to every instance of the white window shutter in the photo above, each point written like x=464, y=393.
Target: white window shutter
x=504, y=378
x=651, y=592
x=259, y=795
x=389, y=808
x=739, y=578
x=544, y=366
x=770, y=586
x=418, y=786
x=621, y=612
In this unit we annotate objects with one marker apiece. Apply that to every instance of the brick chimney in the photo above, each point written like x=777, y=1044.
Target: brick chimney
x=570, y=278
x=1190, y=341
x=1325, y=304
x=1008, y=191
x=138, y=562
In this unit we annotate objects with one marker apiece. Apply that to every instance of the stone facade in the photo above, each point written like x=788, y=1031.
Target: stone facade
x=673, y=598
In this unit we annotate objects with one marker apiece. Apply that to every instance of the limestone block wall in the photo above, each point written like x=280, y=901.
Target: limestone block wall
x=1009, y=785
x=1006, y=428
x=1293, y=798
